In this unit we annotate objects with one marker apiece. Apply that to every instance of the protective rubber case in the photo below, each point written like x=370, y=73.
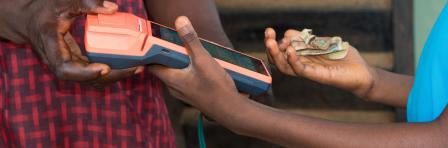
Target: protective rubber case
x=123, y=40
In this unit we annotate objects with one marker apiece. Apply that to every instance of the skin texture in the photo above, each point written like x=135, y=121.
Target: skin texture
x=47, y=23
x=44, y=23
x=351, y=73
x=350, y=69
x=206, y=19
x=48, y=20
x=196, y=76
x=243, y=116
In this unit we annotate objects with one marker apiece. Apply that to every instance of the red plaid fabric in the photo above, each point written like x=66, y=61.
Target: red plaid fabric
x=37, y=110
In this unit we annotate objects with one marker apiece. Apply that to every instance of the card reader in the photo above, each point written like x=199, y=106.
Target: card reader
x=123, y=40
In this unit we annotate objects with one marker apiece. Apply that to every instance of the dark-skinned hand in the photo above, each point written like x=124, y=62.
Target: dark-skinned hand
x=351, y=73
x=203, y=80
x=44, y=23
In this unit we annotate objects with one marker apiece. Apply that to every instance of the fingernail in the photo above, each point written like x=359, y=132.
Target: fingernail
x=139, y=70
x=183, y=24
x=184, y=21
x=110, y=5
x=103, y=72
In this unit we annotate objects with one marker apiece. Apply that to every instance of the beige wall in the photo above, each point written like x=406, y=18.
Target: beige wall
x=425, y=14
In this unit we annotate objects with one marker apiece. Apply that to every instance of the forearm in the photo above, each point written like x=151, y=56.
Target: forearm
x=13, y=30
x=292, y=130
x=202, y=14
x=390, y=88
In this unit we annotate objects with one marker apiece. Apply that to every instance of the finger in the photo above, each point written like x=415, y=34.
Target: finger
x=50, y=42
x=81, y=58
x=269, y=34
x=81, y=72
x=284, y=44
x=167, y=75
x=269, y=57
x=278, y=57
x=291, y=33
x=106, y=8
x=300, y=69
x=116, y=75
x=294, y=62
x=190, y=37
x=78, y=59
x=74, y=48
x=139, y=69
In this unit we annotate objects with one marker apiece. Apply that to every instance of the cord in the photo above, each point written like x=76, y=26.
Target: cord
x=200, y=127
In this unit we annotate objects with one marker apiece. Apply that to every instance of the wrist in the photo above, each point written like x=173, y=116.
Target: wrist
x=368, y=89
x=228, y=110
x=371, y=90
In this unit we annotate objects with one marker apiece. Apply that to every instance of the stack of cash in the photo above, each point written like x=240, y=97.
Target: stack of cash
x=307, y=44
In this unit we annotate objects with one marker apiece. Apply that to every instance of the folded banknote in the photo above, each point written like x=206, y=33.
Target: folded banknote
x=307, y=44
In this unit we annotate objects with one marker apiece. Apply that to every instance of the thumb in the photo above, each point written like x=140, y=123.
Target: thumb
x=190, y=37
x=167, y=75
x=106, y=7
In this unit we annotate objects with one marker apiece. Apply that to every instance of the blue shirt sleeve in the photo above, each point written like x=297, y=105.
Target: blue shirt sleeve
x=429, y=95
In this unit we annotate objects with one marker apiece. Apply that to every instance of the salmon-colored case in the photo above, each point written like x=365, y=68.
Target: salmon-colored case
x=123, y=40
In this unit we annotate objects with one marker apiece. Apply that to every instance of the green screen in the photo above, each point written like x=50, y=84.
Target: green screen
x=214, y=50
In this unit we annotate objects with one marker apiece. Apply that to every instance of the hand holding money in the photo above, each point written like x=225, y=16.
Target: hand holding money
x=340, y=64
x=307, y=44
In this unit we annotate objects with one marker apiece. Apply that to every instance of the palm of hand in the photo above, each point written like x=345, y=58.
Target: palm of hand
x=350, y=73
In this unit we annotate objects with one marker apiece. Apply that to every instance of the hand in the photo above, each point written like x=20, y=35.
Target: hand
x=203, y=80
x=351, y=73
x=44, y=24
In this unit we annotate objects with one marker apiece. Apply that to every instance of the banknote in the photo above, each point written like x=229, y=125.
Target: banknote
x=307, y=44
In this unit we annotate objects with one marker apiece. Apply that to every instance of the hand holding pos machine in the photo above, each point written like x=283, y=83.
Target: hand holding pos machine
x=123, y=40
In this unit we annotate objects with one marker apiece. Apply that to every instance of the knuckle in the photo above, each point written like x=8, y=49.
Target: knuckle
x=271, y=43
x=190, y=37
x=298, y=71
x=290, y=32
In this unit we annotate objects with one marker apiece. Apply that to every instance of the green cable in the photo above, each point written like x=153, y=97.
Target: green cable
x=201, y=136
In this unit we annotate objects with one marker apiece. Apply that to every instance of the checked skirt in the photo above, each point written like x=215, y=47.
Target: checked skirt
x=38, y=110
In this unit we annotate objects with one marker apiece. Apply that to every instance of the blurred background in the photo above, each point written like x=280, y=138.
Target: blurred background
x=388, y=33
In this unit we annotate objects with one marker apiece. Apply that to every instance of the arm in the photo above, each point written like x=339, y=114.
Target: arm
x=44, y=24
x=202, y=13
x=256, y=120
x=219, y=99
x=390, y=88
x=211, y=90
x=351, y=73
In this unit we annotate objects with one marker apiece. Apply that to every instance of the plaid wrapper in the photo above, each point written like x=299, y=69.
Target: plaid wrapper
x=38, y=110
